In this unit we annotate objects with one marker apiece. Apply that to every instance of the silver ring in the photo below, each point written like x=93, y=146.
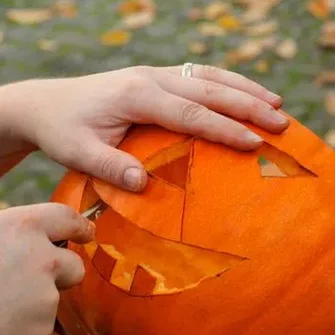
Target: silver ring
x=186, y=70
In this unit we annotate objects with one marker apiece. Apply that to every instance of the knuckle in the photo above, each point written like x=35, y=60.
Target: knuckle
x=211, y=89
x=257, y=105
x=108, y=167
x=191, y=112
x=208, y=71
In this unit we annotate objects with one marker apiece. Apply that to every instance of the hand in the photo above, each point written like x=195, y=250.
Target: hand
x=32, y=269
x=78, y=121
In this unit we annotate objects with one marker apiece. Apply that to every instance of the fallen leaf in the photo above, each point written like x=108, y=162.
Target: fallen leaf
x=287, y=49
x=216, y=9
x=65, y=8
x=134, y=6
x=229, y=22
x=210, y=29
x=330, y=138
x=318, y=8
x=262, y=28
x=47, y=45
x=138, y=20
x=328, y=35
x=262, y=66
x=27, y=16
x=247, y=51
x=198, y=48
x=330, y=103
x=4, y=205
x=325, y=78
x=115, y=38
x=195, y=14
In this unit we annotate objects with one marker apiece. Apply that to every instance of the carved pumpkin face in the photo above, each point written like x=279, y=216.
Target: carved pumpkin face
x=218, y=243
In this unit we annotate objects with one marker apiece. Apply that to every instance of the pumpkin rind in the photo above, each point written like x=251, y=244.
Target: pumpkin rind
x=272, y=237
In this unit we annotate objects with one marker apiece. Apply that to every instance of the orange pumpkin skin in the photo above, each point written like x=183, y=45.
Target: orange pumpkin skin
x=211, y=246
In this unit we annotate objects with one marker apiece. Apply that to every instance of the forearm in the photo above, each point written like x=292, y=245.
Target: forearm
x=13, y=148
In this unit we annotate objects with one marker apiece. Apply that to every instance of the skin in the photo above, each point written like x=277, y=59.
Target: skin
x=78, y=122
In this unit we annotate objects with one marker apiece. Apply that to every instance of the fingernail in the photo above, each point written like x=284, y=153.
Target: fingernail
x=132, y=178
x=275, y=98
x=279, y=118
x=252, y=137
x=91, y=229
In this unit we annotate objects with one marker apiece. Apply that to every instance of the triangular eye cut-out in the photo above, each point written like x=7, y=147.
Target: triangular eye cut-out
x=275, y=163
x=172, y=163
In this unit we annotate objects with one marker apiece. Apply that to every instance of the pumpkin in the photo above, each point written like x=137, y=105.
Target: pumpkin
x=219, y=242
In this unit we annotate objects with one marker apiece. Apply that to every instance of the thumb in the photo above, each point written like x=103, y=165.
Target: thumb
x=115, y=166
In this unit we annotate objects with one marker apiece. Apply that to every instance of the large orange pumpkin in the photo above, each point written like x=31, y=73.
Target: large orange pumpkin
x=217, y=243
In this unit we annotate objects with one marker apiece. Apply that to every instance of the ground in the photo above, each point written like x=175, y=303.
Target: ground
x=66, y=46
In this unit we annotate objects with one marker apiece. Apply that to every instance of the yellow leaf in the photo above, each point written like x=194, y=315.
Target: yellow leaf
x=330, y=138
x=262, y=29
x=247, y=51
x=138, y=20
x=318, y=8
x=65, y=8
x=287, y=49
x=27, y=16
x=210, y=29
x=262, y=66
x=195, y=14
x=327, y=38
x=128, y=7
x=115, y=38
x=330, y=103
x=229, y=22
x=47, y=45
x=216, y=9
x=198, y=48
x=324, y=78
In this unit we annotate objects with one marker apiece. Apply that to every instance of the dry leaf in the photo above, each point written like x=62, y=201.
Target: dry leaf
x=287, y=49
x=229, y=22
x=65, y=8
x=210, y=29
x=324, y=78
x=216, y=9
x=328, y=35
x=198, y=48
x=195, y=14
x=47, y=45
x=330, y=103
x=248, y=51
x=318, y=8
x=115, y=38
x=262, y=29
x=262, y=66
x=138, y=20
x=29, y=16
x=134, y=6
x=330, y=138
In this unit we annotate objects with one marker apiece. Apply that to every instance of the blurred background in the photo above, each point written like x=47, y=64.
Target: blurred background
x=286, y=45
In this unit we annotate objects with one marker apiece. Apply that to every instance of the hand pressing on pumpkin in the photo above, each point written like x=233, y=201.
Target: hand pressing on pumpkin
x=32, y=269
x=79, y=121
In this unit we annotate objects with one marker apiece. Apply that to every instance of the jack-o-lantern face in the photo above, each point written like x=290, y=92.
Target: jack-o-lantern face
x=218, y=243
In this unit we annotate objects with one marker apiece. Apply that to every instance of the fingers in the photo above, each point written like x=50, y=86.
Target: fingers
x=57, y=221
x=230, y=79
x=110, y=164
x=182, y=115
x=226, y=100
x=68, y=268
